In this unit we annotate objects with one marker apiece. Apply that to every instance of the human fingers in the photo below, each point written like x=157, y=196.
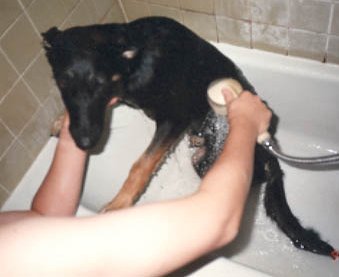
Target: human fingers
x=250, y=108
x=228, y=96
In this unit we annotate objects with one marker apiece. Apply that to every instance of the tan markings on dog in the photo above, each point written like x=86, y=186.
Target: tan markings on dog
x=116, y=77
x=57, y=125
x=129, y=54
x=139, y=176
x=196, y=141
x=98, y=38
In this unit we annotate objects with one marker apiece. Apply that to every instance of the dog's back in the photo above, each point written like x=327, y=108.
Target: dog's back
x=176, y=69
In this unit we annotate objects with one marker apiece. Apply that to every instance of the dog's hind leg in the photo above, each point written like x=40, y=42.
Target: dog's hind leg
x=167, y=135
x=278, y=210
x=208, y=141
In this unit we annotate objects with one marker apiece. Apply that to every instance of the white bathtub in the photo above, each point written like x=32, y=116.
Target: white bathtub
x=305, y=95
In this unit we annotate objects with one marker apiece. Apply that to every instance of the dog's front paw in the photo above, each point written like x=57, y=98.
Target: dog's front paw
x=117, y=203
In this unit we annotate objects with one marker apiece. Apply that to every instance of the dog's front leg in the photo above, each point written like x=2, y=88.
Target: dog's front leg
x=166, y=136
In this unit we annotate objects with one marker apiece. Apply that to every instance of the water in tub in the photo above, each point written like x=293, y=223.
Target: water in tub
x=308, y=126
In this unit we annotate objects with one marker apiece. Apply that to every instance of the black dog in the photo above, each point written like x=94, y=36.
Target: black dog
x=158, y=65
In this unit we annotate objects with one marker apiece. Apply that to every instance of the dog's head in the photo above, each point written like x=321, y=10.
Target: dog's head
x=89, y=64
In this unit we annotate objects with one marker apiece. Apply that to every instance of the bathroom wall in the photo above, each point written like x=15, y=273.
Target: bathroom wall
x=304, y=28
x=29, y=100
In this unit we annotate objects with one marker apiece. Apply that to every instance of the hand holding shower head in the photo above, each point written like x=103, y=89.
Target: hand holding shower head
x=217, y=100
x=215, y=96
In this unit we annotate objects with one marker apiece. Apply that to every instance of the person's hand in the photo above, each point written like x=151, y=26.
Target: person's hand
x=247, y=109
x=65, y=134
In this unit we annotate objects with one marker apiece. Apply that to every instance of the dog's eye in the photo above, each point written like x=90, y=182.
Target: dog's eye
x=96, y=80
x=64, y=80
x=100, y=80
x=62, y=83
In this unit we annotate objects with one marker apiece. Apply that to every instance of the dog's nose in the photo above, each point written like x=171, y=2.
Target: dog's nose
x=85, y=143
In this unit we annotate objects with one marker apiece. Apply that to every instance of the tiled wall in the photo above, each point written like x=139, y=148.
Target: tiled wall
x=29, y=101
x=305, y=28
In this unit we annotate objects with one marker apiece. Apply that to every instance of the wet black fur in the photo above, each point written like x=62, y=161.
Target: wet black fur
x=165, y=72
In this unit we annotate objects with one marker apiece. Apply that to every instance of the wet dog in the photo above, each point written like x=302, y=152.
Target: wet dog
x=158, y=65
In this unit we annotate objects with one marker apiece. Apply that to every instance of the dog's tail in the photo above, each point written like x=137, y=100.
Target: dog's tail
x=278, y=210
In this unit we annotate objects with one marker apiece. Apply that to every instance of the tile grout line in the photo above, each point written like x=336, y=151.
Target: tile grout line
x=5, y=189
x=71, y=13
x=15, y=138
x=123, y=10
x=29, y=18
x=13, y=23
x=27, y=123
x=330, y=21
x=20, y=75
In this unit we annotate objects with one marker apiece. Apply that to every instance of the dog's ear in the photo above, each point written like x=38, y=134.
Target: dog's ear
x=50, y=37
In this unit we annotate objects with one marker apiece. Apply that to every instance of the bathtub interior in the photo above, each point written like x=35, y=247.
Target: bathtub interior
x=304, y=94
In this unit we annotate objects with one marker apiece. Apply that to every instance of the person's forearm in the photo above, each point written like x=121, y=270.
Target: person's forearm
x=229, y=179
x=196, y=224
x=63, y=182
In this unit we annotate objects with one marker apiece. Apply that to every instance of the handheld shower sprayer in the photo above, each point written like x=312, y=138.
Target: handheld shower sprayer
x=218, y=104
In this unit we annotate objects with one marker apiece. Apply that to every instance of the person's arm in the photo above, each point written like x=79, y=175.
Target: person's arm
x=148, y=240
x=59, y=193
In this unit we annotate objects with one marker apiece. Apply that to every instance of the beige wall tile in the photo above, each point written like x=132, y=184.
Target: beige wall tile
x=135, y=9
x=102, y=7
x=54, y=105
x=335, y=21
x=333, y=50
x=309, y=15
x=3, y=196
x=37, y=132
x=67, y=24
x=6, y=138
x=204, y=6
x=21, y=43
x=157, y=10
x=14, y=165
x=18, y=107
x=171, y=3
x=307, y=44
x=203, y=24
x=83, y=14
x=7, y=76
x=273, y=12
x=115, y=15
x=46, y=14
x=26, y=3
x=91, y=7
x=39, y=77
x=269, y=38
x=9, y=11
x=234, y=31
x=238, y=9
x=69, y=4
